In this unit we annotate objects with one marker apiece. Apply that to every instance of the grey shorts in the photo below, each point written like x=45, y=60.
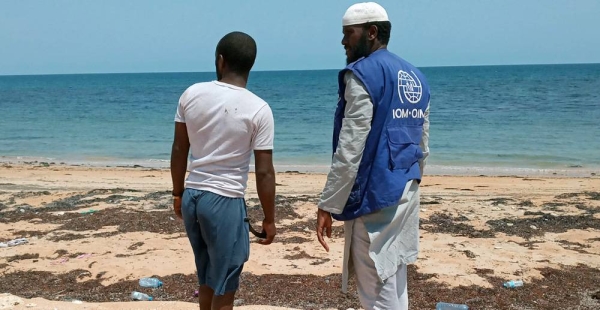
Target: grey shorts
x=219, y=237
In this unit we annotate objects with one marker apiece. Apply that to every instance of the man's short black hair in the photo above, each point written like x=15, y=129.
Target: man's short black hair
x=238, y=50
x=383, y=31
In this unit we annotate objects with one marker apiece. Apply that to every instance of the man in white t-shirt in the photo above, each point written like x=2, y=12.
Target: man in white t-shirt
x=222, y=124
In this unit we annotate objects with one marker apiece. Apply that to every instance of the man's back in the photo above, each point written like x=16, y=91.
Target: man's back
x=222, y=124
x=225, y=123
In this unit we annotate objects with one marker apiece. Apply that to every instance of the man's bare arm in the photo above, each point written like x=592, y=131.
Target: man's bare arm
x=265, y=186
x=179, y=157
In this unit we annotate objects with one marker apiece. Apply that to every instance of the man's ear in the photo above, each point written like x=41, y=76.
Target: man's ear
x=220, y=62
x=372, y=32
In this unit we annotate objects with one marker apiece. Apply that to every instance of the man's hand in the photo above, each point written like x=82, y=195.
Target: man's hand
x=177, y=207
x=271, y=230
x=324, y=222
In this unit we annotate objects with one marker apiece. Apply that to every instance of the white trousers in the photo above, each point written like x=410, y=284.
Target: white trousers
x=392, y=294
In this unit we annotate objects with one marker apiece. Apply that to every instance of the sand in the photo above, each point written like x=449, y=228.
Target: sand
x=476, y=232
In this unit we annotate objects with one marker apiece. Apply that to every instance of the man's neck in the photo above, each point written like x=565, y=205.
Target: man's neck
x=235, y=80
x=377, y=46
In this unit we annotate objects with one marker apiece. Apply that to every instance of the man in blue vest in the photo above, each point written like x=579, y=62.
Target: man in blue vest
x=380, y=143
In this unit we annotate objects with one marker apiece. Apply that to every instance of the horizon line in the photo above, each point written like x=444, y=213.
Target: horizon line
x=287, y=70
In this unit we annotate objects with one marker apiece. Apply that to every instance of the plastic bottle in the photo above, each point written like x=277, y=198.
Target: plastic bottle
x=150, y=282
x=513, y=283
x=140, y=296
x=447, y=306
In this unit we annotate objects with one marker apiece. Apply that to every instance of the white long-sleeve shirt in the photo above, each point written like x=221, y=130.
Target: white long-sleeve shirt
x=393, y=231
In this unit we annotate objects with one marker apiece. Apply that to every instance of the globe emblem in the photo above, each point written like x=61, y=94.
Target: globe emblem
x=409, y=86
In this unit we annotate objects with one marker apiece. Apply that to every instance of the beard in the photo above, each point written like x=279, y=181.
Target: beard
x=362, y=49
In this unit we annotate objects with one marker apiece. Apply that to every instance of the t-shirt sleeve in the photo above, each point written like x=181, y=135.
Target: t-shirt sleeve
x=180, y=114
x=264, y=129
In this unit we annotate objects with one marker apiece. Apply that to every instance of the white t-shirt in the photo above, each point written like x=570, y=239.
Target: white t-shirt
x=225, y=123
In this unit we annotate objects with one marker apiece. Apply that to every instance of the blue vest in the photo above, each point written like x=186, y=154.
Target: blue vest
x=400, y=96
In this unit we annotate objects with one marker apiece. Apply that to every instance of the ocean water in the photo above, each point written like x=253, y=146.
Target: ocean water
x=491, y=118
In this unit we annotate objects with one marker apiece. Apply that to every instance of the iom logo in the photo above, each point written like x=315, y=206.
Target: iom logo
x=409, y=86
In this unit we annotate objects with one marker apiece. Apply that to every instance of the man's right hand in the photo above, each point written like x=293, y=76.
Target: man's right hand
x=271, y=230
x=324, y=223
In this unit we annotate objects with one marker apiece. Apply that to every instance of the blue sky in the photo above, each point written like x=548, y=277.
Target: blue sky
x=55, y=37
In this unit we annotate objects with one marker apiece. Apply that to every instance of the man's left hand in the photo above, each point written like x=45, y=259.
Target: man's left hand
x=177, y=207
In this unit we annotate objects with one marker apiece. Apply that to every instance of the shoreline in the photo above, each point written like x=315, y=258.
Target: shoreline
x=430, y=170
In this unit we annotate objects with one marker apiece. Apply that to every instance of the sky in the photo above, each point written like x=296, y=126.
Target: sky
x=111, y=36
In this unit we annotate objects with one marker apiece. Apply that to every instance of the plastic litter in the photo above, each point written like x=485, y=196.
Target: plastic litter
x=60, y=261
x=84, y=256
x=14, y=242
x=448, y=306
x=513, y=283
x=150, y=282
x=141, y=296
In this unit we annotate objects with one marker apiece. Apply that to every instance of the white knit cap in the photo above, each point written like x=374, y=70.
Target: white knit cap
x=365, y=12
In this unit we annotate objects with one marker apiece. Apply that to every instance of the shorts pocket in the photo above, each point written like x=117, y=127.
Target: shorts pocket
x=403, y=144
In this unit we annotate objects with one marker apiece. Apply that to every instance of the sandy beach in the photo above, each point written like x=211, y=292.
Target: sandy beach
x=93, y=232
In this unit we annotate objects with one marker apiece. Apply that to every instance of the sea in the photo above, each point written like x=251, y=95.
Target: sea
x=485, y=120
